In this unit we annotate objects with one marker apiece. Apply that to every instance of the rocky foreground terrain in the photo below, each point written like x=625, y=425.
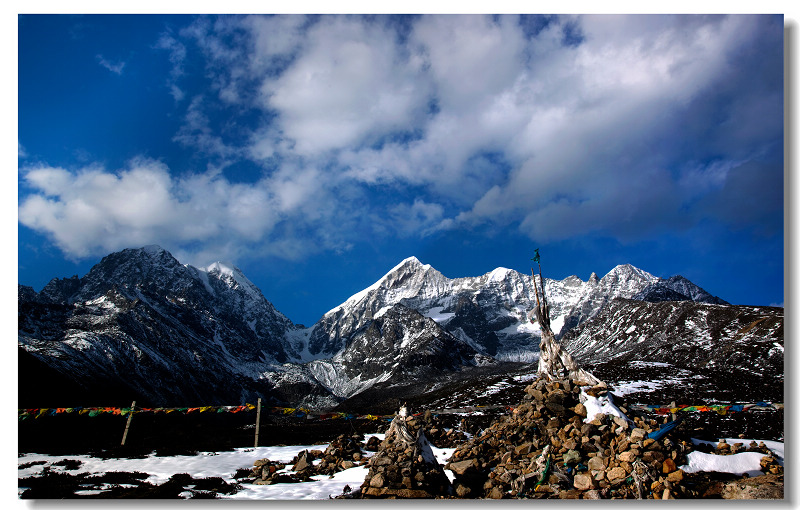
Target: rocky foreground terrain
x=547, y=448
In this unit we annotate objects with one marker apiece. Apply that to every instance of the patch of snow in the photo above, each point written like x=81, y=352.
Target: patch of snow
x=381, y=312
x=498, y=275
x=627, y=387
x=600, y=405
x=436, y=314
x=738, y=464
x=520, y=328
x=210, y=464
x=298, y=340
x=407, y=339
x=232, y=273
x=631, y=329
x=525, y=378
x=557, y=323
x=777, y=447
x=495, y=388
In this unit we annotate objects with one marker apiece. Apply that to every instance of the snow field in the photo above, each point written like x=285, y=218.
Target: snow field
x=225, y=465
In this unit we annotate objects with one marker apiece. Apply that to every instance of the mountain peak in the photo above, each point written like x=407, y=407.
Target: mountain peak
x=412, y=263
x=153, y=249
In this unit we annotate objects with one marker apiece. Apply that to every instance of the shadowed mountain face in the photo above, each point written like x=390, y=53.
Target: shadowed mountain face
x=141, y=320
x=683, y=333
x=140, y=324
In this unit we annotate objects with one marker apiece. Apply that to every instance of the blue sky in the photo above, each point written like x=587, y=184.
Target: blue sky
x=316, y=152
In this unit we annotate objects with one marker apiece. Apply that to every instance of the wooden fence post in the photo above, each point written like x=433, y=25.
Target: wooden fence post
x=258, y=420
x=128, y=423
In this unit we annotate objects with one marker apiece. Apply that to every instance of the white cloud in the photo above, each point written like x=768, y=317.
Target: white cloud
x=114, y=67
x=605, y=127
x=348, y=85
x=457, y=120
x=197, y=132
x=418, y=218
x=177, y=57
x=93, y=211
x=472, y=58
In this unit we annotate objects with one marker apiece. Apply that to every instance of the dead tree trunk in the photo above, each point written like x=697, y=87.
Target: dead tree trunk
x=555, y=362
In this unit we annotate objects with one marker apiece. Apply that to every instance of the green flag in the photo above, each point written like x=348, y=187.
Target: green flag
x=536, y=257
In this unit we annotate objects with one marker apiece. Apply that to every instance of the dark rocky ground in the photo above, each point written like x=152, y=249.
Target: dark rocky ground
x=176, y=433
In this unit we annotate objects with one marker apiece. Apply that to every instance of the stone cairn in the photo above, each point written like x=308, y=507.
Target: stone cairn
x=546, y=449
x=404, y=465
x=342, y=453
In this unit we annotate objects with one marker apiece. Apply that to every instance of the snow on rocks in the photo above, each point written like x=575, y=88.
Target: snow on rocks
x=342, y=453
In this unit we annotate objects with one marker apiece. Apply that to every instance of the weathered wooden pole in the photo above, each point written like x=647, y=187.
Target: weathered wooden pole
x=258, y=420
x=128, y=423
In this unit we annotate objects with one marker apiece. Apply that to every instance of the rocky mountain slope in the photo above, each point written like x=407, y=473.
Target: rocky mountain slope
x=399, y=345
x=141, y=323
x=169, y=332
x=683, y=333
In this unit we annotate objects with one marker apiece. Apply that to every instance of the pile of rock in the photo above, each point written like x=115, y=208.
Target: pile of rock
x=723, y=447
x=404, y=466
x=373, y=444
x=548, y=449
x=442, y=437
x=342, y=453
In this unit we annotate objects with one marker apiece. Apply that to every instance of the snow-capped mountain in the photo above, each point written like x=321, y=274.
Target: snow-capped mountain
x=399, y=345
x=488, y=312
x=144, y=324
x=166, y=329
x=676, y=288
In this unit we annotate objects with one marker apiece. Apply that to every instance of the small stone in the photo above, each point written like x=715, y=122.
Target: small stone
x=496, y=493
x=591, y=494
x=616, y=474
x=628, y=456
x=570, y=494
x=523, y=449
x=462, y=491
x=668, y=466
x=463, y=466
x=377, y=480
x=596, y=464
x=302, y=463
x=650, y=457
x=583, y=481
x=675, y=476
x=638, y=434
x=572, y=457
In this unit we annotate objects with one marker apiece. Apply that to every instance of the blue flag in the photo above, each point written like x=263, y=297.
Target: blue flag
x=536, y=257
